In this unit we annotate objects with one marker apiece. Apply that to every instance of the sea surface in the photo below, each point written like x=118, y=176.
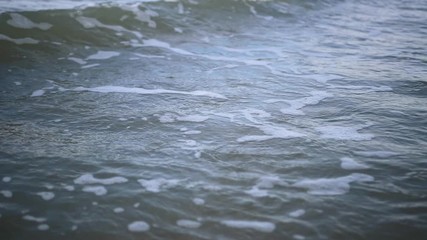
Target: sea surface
x=213, y=119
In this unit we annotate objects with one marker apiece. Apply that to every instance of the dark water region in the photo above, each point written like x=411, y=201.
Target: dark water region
x=213, y=119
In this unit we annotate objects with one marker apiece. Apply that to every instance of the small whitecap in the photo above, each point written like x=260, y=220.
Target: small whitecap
x=188, y=223
x=46, y=195
x=6, y=193
x=198, y=201
x=90, y=66
x=298, y=237
x=332, y=186
x=256, y=192
x=77, y=60
x=20, y=21
x=192, y=132
x=90, y=179
x=193, y=118
x=7, y=179
x=350, y=164
x=155, y=185
x=34, y=219
x=97, y=190
x=138, y=226
x=38, y=93
x=119, y=210
x=255, y=225
x=69, y=188
x=343, y=133
x=376, y=154
x=43, y=227
x=297, y=213
x=102, y=55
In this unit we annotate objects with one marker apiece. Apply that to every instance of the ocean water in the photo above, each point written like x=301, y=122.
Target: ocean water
x=213, y=119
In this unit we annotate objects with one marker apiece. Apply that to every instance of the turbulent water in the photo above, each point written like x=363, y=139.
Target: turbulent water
x=213, y=119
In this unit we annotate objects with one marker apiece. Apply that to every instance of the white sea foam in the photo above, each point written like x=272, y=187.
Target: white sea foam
x=298, y=237
x=350, y=164
x=118, y=89
x=90, y=65
x=18, y=83
x=7, y=179
x=102, y=55
x=322, y=78
x=364, y=89
x=161, y=44
x=296, y=105
x=69, y=188
x=138, y=226
x=155, y=185
x=28, y=5
x=332, y=186
x=34, y=219
x=148, y=56
x=188, y=223
x=192, y=118
x=77, y=60
x=46, y=195
x=272, y=132
x=38, y=93
x=376, y=154
x=198, y=201
x=87, y=22
x=43, y=227
x=97, y=190
x=255, y=225
x=256, y=192
x=343, y=133
x=269, y=182
x=19, y=41
x=118, y=210
x=169, y=118
x=20, y=21
x=264, y=182
x=6, y=193
x=90, y=179
x=192, y=132
x=222, y=67
x=297, y=213
x=143, y=16
x=251, y=114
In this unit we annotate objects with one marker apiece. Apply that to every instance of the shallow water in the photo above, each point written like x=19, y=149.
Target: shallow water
x=213, y=119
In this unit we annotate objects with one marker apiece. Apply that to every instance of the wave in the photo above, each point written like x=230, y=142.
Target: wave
x=126, y=22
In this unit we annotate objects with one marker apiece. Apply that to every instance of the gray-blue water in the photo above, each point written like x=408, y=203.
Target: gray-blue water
x=213, y=119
